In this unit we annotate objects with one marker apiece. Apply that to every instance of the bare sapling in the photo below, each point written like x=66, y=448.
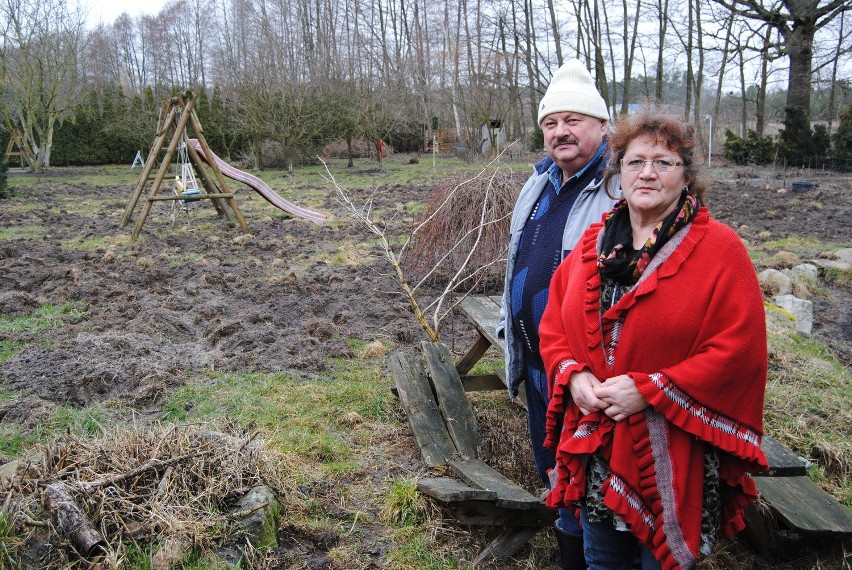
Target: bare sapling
x=456, y=260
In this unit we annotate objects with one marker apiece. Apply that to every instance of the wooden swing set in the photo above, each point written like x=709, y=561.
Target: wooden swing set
x=178, y=113
x=18, y=147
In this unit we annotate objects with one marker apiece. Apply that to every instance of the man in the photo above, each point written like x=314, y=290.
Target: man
x=560, y=200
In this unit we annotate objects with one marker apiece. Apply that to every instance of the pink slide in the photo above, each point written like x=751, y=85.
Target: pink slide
x=259, y=186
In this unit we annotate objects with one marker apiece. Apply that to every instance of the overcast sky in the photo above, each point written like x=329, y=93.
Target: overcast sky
x=106, y=11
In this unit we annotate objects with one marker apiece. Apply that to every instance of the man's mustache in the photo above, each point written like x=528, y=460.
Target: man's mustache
x=565, y=140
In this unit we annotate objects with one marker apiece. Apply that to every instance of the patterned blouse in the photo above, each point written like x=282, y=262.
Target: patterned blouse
x=598, y=471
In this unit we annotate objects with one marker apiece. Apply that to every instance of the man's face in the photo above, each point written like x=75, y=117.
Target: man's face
x=571, y=139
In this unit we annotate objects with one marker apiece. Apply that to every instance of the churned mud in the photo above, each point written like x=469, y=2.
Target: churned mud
x=201, y=296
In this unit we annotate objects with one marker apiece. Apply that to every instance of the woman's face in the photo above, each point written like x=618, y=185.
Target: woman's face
x=651, y=191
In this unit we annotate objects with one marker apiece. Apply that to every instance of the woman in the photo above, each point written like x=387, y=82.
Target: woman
x=654, y=341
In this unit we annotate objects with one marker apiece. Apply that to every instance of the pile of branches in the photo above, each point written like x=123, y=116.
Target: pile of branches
x=465, y=227
x=84, y=500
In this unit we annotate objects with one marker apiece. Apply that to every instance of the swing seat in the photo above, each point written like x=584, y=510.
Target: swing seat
x=187, y=195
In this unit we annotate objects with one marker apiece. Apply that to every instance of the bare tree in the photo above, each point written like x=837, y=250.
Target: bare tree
x=663, y=11
x=40, y=66
x=630, y=31
x=797, y=21
x=557, y=37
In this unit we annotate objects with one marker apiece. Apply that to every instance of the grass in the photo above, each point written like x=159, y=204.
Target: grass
x=809, y=408
x=61, y=420
x=324, y=418
x=21, y=232
x=840, y=278
x=92, y=243
x=10, y=539
x=330, y=428
x=403, y=505
x=788, y=251
x=47, y=316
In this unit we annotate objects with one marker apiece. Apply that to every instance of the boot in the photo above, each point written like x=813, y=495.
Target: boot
x=570, y=550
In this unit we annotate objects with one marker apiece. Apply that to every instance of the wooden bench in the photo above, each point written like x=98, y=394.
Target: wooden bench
x=445, y=428
x=793, y=501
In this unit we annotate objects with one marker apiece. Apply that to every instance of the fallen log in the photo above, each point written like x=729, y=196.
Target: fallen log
x=72, y=522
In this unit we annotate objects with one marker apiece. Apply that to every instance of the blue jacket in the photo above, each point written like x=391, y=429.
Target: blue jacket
x=590, y=205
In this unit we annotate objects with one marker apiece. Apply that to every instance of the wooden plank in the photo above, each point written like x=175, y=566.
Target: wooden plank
x=473, y=355
x=802, y=505
x=449, y=490
x=484, y=314
x=762, y=528
x=452, y=401
x=506, y=544
x=782, y=461
x=477, y=473
x=489, y=513
x=426, y=421
x=482, y=382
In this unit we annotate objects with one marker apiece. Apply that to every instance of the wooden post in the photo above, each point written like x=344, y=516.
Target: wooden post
x=206, y=181
x=196, y=125
x=164, y=166
x=149, y=165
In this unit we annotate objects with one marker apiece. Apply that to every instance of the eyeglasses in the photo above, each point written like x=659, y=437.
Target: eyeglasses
x=658, y=164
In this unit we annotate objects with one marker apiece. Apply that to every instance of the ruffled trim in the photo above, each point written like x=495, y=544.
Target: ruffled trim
x=560, y=399
x=641, y=508
x=722, y=432
x=582, y=436
x=742, y=491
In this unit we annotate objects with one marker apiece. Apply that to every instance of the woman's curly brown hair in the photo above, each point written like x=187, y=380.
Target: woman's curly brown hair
x=669, y=131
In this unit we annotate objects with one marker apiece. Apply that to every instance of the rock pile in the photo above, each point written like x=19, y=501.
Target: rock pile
x=791, y=289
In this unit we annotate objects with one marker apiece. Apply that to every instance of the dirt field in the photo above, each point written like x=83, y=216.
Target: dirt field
x=207, y=298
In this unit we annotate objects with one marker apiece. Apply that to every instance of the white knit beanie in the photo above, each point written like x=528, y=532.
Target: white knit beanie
x=572, y=89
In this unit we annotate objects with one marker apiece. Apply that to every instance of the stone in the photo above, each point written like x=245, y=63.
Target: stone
x=774, y=282
x=832, y=264
x=9, y=470
x=804, y=278
x=779, y=320
x=804, y=271
x=845, y=255
x=801, y=309
x=259, y=509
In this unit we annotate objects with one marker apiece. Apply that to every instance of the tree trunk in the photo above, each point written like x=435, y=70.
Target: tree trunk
x=760, y=111
x=831, y=95
x=744, y=109
x=690, y=78
x=600, y=63
x=629, y=54
x=257, y=147
x=723, y=66
x=557, y=40
x=663, y=7
x=800, y=51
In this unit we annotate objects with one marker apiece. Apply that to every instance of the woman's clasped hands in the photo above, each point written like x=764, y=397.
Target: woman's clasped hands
x=617, y=397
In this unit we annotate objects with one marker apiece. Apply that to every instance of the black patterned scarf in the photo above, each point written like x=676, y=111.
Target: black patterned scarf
x=618, y=260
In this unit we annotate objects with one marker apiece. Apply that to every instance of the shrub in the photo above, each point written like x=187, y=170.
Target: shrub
x=5, y=191
x=843, y=140
x=797, y=144
x=448, y=234
x=754, y=149
x=537, y=139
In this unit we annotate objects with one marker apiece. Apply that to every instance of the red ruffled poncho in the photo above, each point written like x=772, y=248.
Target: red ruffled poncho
x=693, y=338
